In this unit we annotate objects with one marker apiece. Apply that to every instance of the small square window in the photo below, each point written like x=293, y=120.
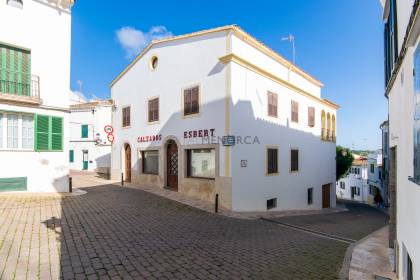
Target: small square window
x=153, y=109
x=271, y=203
x=191, y=101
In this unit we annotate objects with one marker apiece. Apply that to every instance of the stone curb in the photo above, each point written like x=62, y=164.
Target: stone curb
x=345, y=268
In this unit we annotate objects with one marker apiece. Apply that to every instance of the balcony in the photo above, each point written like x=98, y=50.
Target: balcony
x=19, y=87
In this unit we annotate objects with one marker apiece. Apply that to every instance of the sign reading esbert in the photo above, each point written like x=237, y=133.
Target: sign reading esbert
x=199, y=133
x=149, y=138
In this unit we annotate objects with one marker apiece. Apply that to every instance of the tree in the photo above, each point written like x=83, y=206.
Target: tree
x=344, y=160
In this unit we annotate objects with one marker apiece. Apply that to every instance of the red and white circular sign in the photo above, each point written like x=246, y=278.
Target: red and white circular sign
x=110, y=138
x=108, y=129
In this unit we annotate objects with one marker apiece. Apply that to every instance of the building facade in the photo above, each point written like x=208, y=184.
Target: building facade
x=355, y=185
x=90, y=145
x=375, y=175
x=402, y=88
x=34, y=84
x=217, y=112
x=385, y=161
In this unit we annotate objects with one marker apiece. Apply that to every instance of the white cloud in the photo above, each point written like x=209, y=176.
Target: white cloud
x=134, y=41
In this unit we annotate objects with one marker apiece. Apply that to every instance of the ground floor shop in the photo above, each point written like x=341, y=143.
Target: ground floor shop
x=262, y=177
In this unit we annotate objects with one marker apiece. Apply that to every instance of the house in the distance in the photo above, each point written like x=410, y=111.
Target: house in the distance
x=35, y=45
x=354, y=186
x=375, y=176
x=217, y=112
x=90, y=145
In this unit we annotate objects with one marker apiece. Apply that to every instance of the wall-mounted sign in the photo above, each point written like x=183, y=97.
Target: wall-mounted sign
x=244, y=163
x=149, y=138
x=199, y=133
x=109, y=130
x=228, y=140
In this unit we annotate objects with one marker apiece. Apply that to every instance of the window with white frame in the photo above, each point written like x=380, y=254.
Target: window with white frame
x=12, y=131
x=16, y=131
x=1, y=130
x=27, y=132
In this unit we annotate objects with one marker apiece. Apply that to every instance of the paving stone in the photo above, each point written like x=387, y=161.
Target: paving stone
x=125, y=233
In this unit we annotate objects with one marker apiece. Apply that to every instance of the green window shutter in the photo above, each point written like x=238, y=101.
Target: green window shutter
x=13, y=184
x=56, y=133
x=85, y=131
x=71, y=156
x=42, y=131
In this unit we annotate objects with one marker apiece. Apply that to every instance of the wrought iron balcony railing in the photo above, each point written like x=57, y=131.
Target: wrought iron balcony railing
x=19, y=86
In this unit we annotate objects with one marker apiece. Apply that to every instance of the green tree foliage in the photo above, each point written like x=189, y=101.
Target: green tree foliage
x=344, y=160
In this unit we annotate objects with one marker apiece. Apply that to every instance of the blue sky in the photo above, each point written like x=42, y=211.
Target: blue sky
x=338, y=42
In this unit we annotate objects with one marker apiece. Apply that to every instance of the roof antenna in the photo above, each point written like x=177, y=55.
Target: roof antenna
x=291, y=39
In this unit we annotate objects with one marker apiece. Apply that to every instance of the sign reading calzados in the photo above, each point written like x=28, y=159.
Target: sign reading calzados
x=187, y=134
x=149, y=138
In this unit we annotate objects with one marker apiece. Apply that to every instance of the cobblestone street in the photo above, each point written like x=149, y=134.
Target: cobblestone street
x=123, y=233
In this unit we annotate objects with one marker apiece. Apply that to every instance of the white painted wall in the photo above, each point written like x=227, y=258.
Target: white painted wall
x=354, y=180
x=195, y=61
x=99, y=154
x=251, y=187
x=401, y=115
x=181, y=65
x=46, y=31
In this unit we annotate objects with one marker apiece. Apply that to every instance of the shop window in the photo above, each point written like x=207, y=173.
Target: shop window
x=201, y=163
x=150, y=162
x=272, y=161
x=153, y=109
x=191, y=101
x=272, y=104
x=271, y=203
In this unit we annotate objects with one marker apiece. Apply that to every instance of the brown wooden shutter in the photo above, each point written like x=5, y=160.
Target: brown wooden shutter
x=275, y=104
x=311, y=116
x=194, y=100
x=187, y=101
x=272, y=104
x=128, y=116
x=295, y=111
x=150, y=110
x=156, y=109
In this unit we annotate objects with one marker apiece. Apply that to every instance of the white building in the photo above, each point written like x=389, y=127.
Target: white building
x=402, y=69
x=355, y=185
x=181, y=95
x=375, y=175
x=90, y=146
x=385, y=161
x=34, y=84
